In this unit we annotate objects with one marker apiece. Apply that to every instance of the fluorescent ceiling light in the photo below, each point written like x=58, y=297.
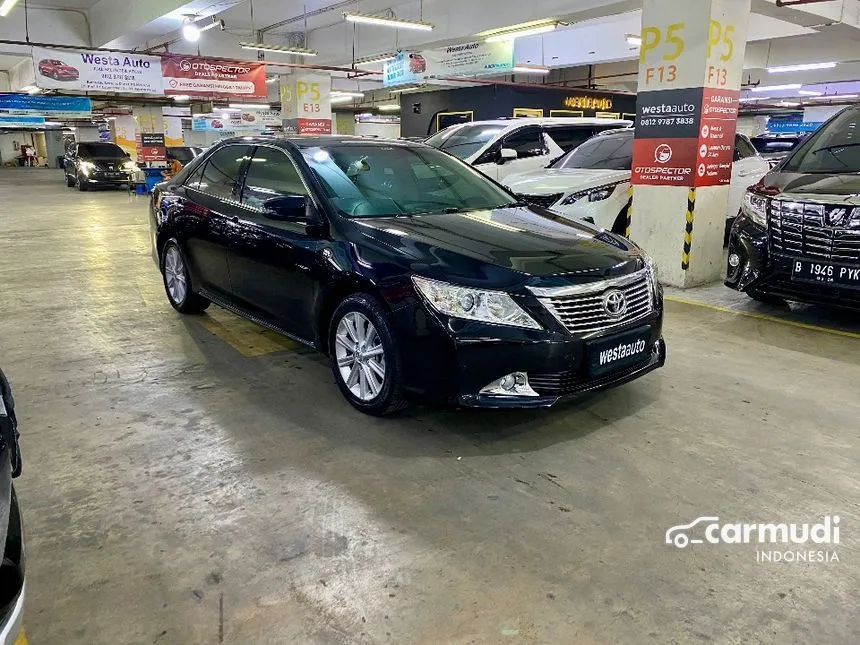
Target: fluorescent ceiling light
x=809, y=93
x=754, y=98
x=53, y=123
x=373, y=60
x=775, y=88
x=829, y=97
x=511, y=34
x=411, y=88
x=337, y=93
x=191, y=32
x=31, y=89
x=530, y=69
x=789, y=103
x=384, y=21
x=181, y=97
x=634, y=40
x=800, y=68
x=272, y=79
x=265, y=47
x=212, y=25
x=388, y=107
x=6, y=7
x=250, y=106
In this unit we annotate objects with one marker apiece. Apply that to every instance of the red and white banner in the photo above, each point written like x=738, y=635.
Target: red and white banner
x=213, y=77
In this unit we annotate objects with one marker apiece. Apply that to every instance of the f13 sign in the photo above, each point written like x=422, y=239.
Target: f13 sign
x=95, y=71
x=213, y=77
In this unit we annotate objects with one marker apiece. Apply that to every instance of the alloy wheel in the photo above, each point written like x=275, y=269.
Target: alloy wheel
x=174, y=275
x=360, y=356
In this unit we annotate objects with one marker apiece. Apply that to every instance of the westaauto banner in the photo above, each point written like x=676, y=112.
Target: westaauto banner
x=96, y=71
x=197, y=76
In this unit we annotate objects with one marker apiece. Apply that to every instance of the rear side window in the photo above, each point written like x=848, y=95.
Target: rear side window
x=271, y=174
x=567, y=137
x=219, y=174
x=528, y=142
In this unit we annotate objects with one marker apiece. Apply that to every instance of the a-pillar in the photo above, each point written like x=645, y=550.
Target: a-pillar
x=690, y=69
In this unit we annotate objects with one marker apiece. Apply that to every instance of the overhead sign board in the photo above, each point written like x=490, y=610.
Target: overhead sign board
x=96, y=71
x=244, y=122
x=65, y=107
x=197, y=76
x=306, y=103
x=469, y=59
x=21, y=121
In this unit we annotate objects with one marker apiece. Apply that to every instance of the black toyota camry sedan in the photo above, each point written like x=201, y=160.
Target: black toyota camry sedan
x=413, y=272
x=798, y=235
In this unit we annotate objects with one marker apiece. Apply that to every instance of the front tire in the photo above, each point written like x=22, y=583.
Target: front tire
x=177, y=282
x=70, y=181
x=364, y=356
x=80, y=183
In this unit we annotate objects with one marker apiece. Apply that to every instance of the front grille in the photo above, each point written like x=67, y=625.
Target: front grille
x=801, y=229
x=581, y=308
x=564, y=383
x=544, y=201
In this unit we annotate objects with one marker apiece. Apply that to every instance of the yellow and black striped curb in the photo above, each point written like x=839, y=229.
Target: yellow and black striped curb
x=688, y=230
x=629, y=211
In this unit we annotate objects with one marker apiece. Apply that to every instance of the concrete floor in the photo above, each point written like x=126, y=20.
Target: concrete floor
x=193, y=480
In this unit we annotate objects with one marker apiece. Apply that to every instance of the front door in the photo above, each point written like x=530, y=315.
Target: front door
x=272, y=265
x=533, y=150
x=208, y=216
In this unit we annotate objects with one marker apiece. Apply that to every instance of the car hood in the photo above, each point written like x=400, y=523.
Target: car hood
x=550, y=180
x=505, y=248
x=841, y=187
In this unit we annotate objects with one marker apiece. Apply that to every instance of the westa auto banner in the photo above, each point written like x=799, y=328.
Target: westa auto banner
x=196, y=76
x=96, y=71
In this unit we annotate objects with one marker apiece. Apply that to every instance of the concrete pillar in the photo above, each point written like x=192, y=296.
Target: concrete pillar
x=53, y=146
x=690, y=70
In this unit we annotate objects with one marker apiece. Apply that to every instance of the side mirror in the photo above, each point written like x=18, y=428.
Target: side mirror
x=505, y=155
x=287, y=208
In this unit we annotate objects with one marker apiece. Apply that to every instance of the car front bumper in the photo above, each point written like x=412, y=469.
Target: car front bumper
x=763, y=272
x=452, y=361
x=96, y=179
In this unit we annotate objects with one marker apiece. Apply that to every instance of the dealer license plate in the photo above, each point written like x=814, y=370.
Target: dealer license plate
x=617, y=352
x=827, y=273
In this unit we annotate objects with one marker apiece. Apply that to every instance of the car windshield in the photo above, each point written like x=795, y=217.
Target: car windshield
x=182, y=154
x=769, y=145
x=600, y=152
x=389, y=180
x=103, y=150
x=464, y=141
x=834, y=148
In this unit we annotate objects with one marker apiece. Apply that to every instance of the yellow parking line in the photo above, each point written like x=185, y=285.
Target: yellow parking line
x=22, y=638
x=758, y=316
x=245, y=337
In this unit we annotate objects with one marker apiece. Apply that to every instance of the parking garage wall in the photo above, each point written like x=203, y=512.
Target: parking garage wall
x=418, y=112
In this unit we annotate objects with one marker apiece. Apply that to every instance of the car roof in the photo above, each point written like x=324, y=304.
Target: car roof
x=551, y=120
x=305, y=141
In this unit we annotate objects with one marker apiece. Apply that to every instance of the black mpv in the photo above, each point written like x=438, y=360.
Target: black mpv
x=798, y=235
x=414, y=272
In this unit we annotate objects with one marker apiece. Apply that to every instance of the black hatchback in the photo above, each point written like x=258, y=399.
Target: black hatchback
x=414, y=272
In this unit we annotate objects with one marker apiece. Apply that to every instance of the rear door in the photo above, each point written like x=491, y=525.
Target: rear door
x=208, y=216
x=272, y=264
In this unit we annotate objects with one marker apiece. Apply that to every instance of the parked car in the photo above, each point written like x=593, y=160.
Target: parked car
x=775, y=147
x=591, y=181
x=12, y=585
x=58, y=70
x=411, y=270
x=182, y=154
x=508, y=146
x=798, y=236
x=95, y=164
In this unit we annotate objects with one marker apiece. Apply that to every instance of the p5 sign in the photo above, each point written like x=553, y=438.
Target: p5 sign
x=307, y=96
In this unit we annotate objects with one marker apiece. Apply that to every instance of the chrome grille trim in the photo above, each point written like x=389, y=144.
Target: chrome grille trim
x=800, y=229
x=579, y=308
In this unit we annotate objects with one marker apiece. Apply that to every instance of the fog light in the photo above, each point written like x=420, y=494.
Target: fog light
x=734, y=260
x=514, y=384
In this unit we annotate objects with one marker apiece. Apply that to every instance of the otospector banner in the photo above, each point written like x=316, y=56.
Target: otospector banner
x=196, y=76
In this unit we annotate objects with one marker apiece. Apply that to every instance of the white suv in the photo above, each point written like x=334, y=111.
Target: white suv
x=503, y=147
x=591, y=181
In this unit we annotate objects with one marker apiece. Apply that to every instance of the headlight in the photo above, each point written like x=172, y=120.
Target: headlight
x=473, y=304
x=755, y=207
x=592, y=194
x=130, y=166
x=86, y=167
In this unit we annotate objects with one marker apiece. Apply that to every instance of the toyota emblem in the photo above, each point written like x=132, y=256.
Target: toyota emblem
x=615, y=303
